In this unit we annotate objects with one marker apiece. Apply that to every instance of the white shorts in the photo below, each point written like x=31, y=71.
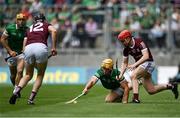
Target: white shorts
x=148, y=66
x=36, y=52
x=13, y=60
x=127, y=76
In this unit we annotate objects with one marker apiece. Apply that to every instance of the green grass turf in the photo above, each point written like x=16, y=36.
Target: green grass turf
x=50, y=102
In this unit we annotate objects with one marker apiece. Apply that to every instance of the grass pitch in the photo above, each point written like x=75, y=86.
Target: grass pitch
x=50, y=102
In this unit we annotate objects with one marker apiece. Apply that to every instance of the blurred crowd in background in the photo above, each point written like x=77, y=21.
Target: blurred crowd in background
x=81, y=23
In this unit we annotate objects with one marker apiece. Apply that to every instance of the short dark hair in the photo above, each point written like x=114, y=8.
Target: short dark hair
x=39, y=17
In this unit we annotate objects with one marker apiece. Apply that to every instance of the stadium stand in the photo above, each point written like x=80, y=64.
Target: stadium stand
x=156, y=21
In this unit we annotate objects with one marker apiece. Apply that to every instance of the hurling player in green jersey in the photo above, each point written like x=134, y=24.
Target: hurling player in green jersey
x=12, y=40
x=119, y=90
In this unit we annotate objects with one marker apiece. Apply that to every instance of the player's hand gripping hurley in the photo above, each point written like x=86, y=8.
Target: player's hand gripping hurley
x=74, y=99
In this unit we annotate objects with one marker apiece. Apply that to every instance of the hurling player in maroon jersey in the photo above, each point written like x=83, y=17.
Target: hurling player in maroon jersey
x=36, y=54
x=143, y=66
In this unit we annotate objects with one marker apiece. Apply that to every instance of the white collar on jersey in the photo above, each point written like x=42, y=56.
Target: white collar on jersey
x=16, y=26
x=133, y=43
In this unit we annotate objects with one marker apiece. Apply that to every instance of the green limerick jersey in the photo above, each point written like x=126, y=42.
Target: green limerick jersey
x=15, y=37
x=109, y=81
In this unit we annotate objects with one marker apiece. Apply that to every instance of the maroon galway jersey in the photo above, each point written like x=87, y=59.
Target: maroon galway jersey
x=37, y=33
x=135, y=51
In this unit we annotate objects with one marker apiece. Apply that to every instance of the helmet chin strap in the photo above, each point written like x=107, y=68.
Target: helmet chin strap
x=131, y=42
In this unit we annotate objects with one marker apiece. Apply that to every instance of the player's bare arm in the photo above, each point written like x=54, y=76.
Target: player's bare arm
x=24, y=43
x=123, y=66
x=53, y=32
x=145, y=57
x=124, y=85
x=90, y=84
x=5, y=45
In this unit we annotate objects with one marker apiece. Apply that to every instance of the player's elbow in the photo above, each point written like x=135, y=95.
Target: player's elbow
x=146, y=56
x=54, y=32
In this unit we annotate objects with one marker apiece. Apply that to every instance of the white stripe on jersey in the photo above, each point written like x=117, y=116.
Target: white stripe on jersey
x=143, y=45
x=5, y=33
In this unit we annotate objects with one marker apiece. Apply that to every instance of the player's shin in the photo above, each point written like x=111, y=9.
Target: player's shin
x=135, y=89
x=32, y=97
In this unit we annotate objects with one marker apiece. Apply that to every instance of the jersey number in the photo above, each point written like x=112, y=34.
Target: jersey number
x=37, y=27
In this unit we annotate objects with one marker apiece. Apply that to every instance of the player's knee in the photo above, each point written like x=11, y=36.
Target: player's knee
x=119, y=99
x=28, y=77
x=108, y=100
x=151, y=92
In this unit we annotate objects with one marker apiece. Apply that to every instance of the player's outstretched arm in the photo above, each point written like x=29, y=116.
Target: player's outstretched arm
x=90, y=84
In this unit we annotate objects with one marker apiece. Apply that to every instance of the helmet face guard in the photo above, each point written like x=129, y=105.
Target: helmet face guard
x=21, y=20
x=20, y=16
x=107, y=64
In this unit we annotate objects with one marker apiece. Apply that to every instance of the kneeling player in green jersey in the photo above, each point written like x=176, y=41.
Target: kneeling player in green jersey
x=119, y=90
x=12, y=40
